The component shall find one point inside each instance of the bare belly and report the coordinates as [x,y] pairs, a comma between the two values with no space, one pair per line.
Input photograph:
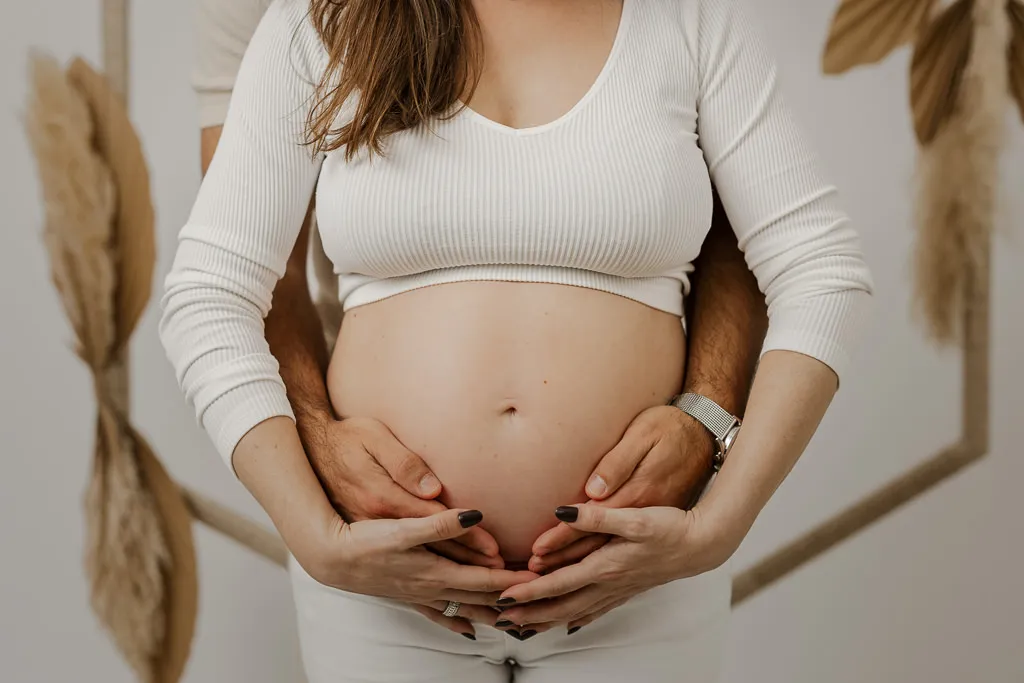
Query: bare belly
[511,392]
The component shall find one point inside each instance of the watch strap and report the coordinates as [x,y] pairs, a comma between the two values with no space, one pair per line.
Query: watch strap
[716,419]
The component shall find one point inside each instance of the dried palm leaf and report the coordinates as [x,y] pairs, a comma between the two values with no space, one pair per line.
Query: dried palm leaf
[936,73]
[958,176]
[133,235]
[866,31]
[1015,10]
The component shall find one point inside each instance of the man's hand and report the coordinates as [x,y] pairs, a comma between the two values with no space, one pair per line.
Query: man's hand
[369,474]
[726,325]
[663,459]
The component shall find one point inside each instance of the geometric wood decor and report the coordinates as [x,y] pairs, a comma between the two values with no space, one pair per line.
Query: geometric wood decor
[968,61]
[142,628]
[972,445]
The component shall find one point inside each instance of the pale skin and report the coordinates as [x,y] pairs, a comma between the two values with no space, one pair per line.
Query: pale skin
[359,509]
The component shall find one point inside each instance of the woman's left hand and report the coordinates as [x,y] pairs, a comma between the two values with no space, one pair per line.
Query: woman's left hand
[650,546]
[663,458]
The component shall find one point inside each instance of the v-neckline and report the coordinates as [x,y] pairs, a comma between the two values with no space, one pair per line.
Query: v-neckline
[625,18]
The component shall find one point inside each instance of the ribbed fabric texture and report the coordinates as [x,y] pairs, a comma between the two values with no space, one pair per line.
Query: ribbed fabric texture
[614,195]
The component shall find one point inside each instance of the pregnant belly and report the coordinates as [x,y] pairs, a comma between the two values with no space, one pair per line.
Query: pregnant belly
[511,392]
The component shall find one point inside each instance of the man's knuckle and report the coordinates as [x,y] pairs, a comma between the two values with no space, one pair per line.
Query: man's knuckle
[376,505]
[408,466]
[646,426]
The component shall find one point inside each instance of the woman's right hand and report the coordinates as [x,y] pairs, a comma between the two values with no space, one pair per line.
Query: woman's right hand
[387,558]
[381,557]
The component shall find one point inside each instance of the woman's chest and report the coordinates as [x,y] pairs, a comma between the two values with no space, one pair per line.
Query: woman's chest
[620,191]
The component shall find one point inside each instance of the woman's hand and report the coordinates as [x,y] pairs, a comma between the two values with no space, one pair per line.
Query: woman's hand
[650,546]
[387,558]
[369,474]
[381,557]
[663,458]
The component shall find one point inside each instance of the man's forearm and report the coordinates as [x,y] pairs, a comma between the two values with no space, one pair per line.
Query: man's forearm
[726,320]
[295,334]
[293,329]
[296,337]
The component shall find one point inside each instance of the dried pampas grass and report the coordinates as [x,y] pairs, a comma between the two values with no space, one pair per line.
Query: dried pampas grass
[99,235]
[958,170]
[134,222]
[126,553]
[79,205]
[968,60]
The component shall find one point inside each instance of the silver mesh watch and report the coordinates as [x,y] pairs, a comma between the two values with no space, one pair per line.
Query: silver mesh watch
[723,425]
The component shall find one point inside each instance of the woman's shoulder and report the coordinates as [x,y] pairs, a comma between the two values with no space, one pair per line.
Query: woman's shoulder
[705,25]
[687,18]
[702,14]
[697,9]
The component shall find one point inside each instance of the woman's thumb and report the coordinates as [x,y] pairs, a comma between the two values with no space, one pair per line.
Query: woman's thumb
[440,526]
[633,524]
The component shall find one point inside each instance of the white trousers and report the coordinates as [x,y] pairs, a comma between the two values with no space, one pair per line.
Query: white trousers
[674,633]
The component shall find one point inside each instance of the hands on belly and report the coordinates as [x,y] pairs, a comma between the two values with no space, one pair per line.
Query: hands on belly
[633,534]
[385,492]
[624,540]
[368,474]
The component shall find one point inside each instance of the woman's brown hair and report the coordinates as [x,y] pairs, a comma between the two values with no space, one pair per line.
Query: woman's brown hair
[405,61]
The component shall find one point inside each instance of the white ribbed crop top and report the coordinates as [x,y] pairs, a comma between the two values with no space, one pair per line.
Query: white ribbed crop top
[614,195]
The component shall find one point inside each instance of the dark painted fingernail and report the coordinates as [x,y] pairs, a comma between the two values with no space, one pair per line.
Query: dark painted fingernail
[470,636]
[514,634]
[574,629]
[503,623]
[528,634]
[567,513]
[506,601]
[470,518]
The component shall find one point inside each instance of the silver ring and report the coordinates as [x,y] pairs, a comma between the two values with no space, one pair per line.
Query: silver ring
[452,608]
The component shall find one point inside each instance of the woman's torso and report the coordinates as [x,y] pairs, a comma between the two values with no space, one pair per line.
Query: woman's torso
[513,389]
[608,189]
[511,392]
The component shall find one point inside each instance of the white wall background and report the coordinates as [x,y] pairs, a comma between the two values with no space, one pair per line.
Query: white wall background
[932,595]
